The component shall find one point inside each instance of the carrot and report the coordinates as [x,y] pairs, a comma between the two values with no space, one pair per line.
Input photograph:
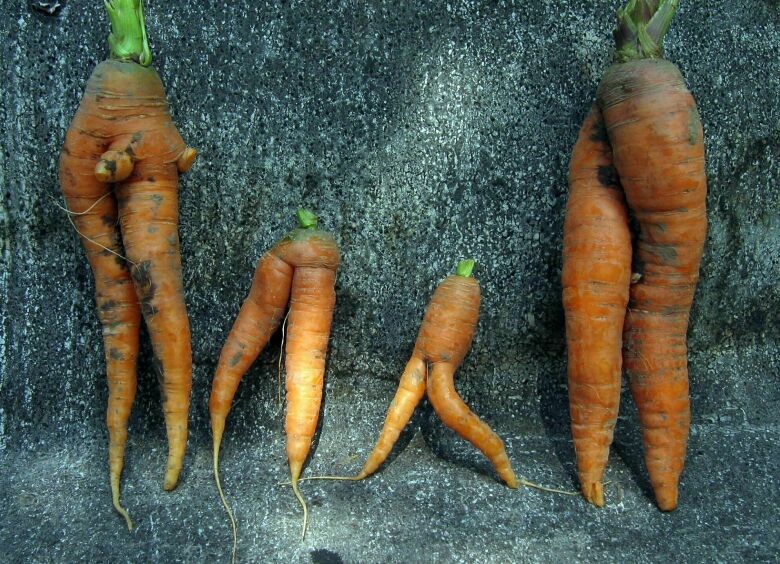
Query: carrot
[302,268]
[443,341]
[657,142]
[596,275]
[119,168]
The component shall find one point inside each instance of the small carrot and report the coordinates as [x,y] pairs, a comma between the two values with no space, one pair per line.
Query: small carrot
[302,268]
[119,169]
[443,341]
[596,275]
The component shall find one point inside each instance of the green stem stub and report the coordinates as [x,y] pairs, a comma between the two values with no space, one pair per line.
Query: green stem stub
[306,219]
[128,40]
[641,27]
[465,268]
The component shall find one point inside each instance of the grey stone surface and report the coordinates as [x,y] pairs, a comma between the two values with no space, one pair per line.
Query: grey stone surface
[423,132]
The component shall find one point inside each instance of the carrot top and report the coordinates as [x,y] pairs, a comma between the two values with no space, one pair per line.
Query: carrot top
[128,40]
[465,267]
[641,27]
[307,219]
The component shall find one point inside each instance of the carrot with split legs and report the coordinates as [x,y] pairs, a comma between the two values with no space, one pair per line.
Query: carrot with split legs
[119,169]
[657,144]
[300,268]
[443,341]
[595,278]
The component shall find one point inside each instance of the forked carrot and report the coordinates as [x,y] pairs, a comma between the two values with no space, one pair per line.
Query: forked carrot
[657,143]
[119,170]
[443,341]
[300,268]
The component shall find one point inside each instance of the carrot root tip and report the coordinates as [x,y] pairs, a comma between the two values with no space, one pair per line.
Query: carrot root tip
[171,480]
[666,498]
[593,492]
[298,495]
[233,526]
[118,506]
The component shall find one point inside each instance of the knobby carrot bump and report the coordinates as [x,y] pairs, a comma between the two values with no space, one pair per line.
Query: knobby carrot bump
[299,269]
[119,169]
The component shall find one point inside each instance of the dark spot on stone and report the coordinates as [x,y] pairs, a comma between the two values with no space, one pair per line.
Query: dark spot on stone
[151,229]
[608,176]
[157,199]
[151,179]
[137,136]
[111,166]
[65,150]
[325,556]
[46,7]
[144,287]
[108,220]
[116,354]
[109,305]
[173,240]
[236,358]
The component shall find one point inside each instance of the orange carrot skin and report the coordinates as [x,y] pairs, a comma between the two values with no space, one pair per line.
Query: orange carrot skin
[595,278]
[124,110]
[258,319]
[456,415]
[450,321]
[315,257]
[445,338]
[658,145]
[410,391]
[302,268]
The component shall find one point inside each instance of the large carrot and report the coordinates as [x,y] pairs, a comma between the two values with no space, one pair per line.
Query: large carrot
[119,169]
[301,267]
[595,278]
[658,149]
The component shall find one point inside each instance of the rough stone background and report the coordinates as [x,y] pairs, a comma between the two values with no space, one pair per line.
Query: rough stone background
[423,132]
